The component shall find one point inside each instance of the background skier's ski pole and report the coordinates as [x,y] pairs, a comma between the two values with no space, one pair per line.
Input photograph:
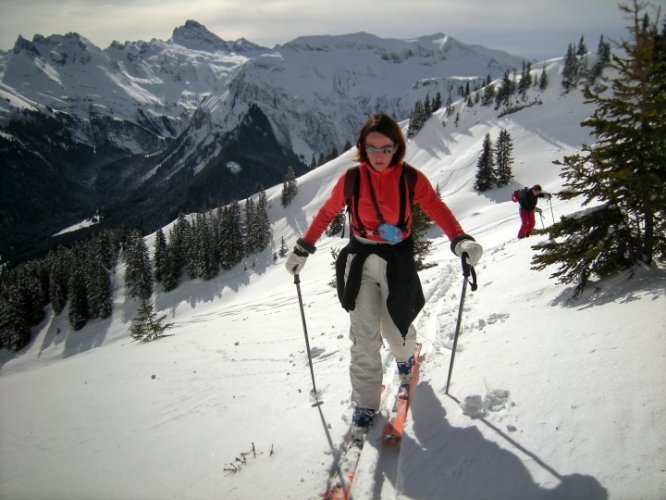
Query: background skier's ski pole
[551,210]
[297,282]
[467,271]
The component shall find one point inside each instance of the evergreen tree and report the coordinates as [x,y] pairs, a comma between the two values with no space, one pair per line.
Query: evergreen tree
[602,59]
[170,274]
[179,240]
[138,270]
[507,89]
[437,104]
[160,257]
[109,248]
[14,324]
[543,80]
[147,326]
[450,108]
[485,175]
[488,95]
[33,285]
[204,262]
[622,173]
[262,223]
[98,283]
[249,234]
[231,242]
[60,267]
[416,119]
[503,158]
[421,223]
[525,78]
[78,302]
[570,70]
[582,48]
[289,187]
[337,225]
[283,248]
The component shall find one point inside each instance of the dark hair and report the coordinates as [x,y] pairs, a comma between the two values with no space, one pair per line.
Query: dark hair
[537,187]
[386,125]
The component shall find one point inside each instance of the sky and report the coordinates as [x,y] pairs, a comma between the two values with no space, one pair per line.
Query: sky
[537,29]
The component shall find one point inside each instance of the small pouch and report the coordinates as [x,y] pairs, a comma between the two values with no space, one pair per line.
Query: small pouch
[390,234]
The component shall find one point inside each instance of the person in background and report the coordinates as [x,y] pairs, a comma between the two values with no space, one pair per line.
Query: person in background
[527,200]
[377,279]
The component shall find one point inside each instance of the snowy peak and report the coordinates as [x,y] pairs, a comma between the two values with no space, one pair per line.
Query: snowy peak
[59,49]
[337,80]
[196,36]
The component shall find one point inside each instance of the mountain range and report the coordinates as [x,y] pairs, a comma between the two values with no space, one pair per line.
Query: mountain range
[139,132]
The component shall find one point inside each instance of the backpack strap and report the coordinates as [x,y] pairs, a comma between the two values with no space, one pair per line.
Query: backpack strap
[352,190]
[410,173]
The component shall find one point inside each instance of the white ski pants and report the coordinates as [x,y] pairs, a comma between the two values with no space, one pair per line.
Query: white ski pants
[370,322]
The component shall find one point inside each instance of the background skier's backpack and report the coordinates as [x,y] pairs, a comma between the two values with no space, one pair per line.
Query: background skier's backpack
[516,195]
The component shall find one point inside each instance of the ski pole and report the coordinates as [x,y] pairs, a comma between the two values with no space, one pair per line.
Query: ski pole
[543,226]
[297,282]
[468,270]
[551,210]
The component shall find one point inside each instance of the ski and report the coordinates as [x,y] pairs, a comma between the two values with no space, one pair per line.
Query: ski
[395,422]
[340,489]
[344,470]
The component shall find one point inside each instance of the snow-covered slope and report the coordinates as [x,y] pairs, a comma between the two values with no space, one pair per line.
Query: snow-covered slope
[571,394]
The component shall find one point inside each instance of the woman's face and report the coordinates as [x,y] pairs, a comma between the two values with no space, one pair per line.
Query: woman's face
[380,150]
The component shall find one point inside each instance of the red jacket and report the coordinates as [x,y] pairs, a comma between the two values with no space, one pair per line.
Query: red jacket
[386,186]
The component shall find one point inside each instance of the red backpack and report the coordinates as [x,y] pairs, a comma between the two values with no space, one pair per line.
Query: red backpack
[515,196]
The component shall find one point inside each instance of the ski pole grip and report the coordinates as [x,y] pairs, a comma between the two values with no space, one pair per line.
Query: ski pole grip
[468,269]
[465,265]
[297,279]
